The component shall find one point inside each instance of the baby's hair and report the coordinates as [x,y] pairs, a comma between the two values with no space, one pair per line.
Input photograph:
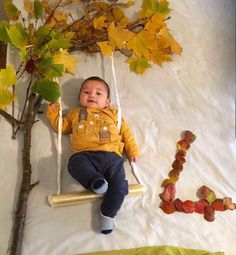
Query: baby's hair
[96,78]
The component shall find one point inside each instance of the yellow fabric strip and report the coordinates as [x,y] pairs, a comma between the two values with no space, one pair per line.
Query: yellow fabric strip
[156,250]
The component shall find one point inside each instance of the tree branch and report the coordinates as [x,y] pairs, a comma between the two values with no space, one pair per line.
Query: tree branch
[10,119]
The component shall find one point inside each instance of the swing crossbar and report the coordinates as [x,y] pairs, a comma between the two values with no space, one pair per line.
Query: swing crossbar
[75,197]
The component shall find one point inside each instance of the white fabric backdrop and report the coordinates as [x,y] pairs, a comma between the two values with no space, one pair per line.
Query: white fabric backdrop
[194,92]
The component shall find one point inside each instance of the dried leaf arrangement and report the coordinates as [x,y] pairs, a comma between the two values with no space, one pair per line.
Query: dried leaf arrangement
[207,204]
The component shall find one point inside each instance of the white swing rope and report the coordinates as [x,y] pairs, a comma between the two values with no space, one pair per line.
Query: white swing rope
[59,147]
[132,164]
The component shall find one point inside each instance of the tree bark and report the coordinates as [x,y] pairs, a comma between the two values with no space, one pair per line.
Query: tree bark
[26,186]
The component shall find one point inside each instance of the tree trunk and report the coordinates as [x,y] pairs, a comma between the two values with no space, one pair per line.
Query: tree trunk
[26,186]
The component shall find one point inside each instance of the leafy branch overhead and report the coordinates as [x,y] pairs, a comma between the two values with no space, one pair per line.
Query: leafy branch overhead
[47,32]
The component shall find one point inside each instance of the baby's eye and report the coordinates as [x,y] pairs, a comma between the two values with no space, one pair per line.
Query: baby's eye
[99,93]
[86,92]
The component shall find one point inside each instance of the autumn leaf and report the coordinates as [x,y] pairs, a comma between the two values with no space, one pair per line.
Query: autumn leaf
[188,206]
[105,48]
[142,43]
[150,7]
[118,36]
[17,35]
[28,6]
[58,20]
[126,5]
[158,57]
[7,77]
[155,24]
[169,193]
[168,207]
[99,23]
[118,14]
[67,60]
[6,97]
[38,9]
[11,10]
[166,40]
[3,31]
[138,65]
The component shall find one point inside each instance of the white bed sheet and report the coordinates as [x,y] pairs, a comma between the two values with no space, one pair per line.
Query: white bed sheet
[195,92]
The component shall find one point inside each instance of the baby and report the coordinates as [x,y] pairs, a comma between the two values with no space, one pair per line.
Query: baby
[97,145]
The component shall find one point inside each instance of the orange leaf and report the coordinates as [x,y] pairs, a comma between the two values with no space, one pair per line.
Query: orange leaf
[168,207]
[167,181]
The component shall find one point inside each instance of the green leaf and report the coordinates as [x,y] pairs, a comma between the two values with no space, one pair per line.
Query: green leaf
[60,43]
[49,90]
[3,31]
[138,65]
[43,34]
[150,7]
[11,10]
[44,64]
[38,9]
[17,35]
[211,197]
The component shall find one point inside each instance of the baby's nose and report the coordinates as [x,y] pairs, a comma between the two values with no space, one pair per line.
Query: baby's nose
[91,95]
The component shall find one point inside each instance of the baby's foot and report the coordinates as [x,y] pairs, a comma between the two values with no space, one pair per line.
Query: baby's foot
[106,224]
[100,186]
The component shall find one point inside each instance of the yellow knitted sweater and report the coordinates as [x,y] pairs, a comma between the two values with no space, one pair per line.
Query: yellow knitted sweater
[93,129]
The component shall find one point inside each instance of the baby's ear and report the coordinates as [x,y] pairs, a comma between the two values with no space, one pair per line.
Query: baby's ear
[108,102]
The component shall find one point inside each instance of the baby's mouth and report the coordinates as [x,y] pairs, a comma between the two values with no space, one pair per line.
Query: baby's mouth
[91,101]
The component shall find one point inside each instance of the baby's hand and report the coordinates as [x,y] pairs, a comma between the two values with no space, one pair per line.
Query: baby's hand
[134,159]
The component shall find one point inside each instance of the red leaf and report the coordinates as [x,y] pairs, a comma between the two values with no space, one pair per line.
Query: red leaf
[178,204]
[30,66]
[218,205]
[169,193]
[188,137]
[200,205]
[204,191]
[182,145]
[177,165]
[209,213]
[188,206]
[168,207]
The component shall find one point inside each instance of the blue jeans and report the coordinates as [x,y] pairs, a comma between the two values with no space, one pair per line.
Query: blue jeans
[88,166]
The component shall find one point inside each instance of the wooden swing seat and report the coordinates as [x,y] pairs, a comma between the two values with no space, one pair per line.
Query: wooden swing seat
[75,197]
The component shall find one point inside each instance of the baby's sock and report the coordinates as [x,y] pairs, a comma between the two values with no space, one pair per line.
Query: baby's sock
[100,186]
[106,224]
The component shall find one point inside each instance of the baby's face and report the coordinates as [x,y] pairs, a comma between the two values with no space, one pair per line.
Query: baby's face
[94,94]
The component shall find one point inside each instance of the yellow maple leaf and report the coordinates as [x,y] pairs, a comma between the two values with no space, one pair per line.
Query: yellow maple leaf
[142,43]
[99,23]
[158,57]
[166,40]
[118,36]
[156,23]
[58,20]
[28,6]
[118,14]
[67,60]
[6,97]
[138,65]
[7,77]
[105,48]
